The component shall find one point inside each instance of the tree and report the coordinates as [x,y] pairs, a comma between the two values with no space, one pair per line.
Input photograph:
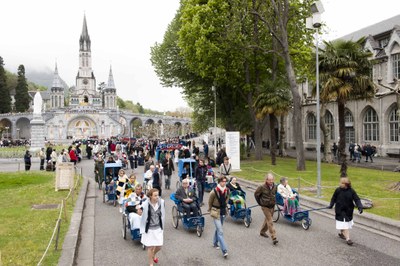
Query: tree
[121,103]
[22,98]
[275,101]
[345,75]
[284,19]
[140,108]
[5,99]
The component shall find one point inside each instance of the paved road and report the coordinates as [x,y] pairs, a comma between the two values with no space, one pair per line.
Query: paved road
[317,246]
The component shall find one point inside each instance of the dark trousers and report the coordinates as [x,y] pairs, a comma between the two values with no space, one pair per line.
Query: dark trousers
[200,189]
[27,166]
[190,207]
[41,164]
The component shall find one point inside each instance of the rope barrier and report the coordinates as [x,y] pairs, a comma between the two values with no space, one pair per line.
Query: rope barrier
[314,185]
[63,201]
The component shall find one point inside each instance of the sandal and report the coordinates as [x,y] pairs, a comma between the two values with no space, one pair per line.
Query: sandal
[155,260]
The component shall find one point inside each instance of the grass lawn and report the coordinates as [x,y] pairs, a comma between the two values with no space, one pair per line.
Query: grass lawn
[25,232]
[368,183]
[19,151]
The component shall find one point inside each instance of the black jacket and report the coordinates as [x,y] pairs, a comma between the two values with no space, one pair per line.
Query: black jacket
[344,199]
[200,174]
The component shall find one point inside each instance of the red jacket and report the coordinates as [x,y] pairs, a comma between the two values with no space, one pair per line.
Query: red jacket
[72,155]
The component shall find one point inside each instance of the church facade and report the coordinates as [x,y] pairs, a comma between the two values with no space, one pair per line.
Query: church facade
[90,111]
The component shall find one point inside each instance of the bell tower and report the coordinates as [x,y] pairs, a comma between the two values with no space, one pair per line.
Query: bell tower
[85,93]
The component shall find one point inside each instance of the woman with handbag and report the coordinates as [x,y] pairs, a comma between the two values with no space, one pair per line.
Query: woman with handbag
[217,207]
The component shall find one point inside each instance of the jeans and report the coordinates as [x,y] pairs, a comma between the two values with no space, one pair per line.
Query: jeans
[167,182]
[219,234]
[200,189]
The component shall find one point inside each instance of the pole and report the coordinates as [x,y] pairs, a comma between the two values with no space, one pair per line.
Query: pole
[318,122]
[215,122]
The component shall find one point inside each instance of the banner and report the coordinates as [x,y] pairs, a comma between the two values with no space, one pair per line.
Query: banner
[232,144]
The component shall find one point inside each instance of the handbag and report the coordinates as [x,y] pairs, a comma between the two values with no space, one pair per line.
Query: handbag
[214,213]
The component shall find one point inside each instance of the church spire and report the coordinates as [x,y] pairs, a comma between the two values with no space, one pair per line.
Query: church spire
[110,84]
[56,79]
[84,40]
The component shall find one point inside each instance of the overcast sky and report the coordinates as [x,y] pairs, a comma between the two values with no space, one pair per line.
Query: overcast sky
[37,33]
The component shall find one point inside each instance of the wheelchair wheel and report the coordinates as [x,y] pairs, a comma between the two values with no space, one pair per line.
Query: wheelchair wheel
[247,221]
[124,226]
[277,211]
[199,230]
[306,223]
[175,217]
[178,184]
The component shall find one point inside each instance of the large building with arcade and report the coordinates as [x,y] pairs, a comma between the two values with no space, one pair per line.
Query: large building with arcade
[88,111]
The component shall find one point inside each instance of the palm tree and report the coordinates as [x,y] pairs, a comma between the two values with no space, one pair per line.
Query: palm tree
[345,75]
[274,101]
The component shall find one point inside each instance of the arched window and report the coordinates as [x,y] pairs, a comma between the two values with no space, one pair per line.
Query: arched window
[330,124]
[394,125]
[371,126]
[348,120]
[312,126]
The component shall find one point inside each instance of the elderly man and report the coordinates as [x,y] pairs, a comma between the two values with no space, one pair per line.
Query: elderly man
[188,198]
[265,197]
[134,206]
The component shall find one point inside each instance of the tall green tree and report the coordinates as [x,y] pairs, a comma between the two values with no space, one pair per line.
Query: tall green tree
[345,75]
[285,20]
[5,99]
[22,98]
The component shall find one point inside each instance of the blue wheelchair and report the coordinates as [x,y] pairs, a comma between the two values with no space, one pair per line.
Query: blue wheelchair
[301,215]
[240,214]
[110,182]
[188,223]
[126,224]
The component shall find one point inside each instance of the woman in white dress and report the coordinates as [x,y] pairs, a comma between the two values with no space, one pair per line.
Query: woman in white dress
[344,198]
[152,225]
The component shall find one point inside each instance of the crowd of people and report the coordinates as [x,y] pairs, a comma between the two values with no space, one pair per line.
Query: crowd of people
[147,211]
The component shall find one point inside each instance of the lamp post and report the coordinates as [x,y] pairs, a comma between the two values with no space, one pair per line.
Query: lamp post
[314,22]
[215,121]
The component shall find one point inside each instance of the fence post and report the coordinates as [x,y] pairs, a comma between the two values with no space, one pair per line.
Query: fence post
[64,203]
[58,233]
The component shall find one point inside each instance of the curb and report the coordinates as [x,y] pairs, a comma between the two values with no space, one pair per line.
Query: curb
[372,222]
[71,238]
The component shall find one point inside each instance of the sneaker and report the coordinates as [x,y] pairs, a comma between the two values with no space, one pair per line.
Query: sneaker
[341,236]
[349,242]
[275,241]
[216,246]
[225,254]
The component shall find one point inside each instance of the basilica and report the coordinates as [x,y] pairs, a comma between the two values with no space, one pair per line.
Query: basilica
[85,110]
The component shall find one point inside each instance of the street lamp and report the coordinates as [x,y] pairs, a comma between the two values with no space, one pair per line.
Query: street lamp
[314,22]
[215,121]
